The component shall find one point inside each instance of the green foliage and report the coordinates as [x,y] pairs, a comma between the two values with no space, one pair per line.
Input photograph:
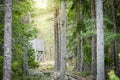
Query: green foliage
[1,28]
[22,33]
[112,76]
[1,67]
[16,67]
[88,27]
[82,73]
[108,61]
[1,38]
[33,64]
[110,37]
[87,54]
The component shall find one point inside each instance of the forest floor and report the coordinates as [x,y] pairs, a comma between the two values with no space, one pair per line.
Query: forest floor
[46,72]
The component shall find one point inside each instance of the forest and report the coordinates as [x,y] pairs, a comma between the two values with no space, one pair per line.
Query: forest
[59,39]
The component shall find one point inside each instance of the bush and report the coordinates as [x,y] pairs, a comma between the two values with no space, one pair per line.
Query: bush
[112,76]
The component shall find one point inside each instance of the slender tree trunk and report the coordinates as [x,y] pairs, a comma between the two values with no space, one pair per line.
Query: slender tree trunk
[81,39]
[7,40]
[115,48]
[25,20]
[79,48]
[57,51]
[100,40]
[63,41]
[82,55]
[78,57]
[78,45]
[25,63]
[25,58]
[93,42]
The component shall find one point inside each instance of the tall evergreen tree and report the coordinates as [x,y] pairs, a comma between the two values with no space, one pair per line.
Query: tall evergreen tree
[100,40]
[8,40]
[115,46]
[93,41]
[63,40]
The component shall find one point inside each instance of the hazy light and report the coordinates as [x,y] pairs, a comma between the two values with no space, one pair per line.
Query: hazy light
[41,3]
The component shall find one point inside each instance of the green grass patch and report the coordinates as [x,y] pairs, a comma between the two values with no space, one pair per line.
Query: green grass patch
[84,74]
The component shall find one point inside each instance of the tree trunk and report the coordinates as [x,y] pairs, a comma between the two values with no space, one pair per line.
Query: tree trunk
[63,41]
[82,55]
[79,18]
[100,40]
[57,51]
[25,63]
[115,48]
[25,58]
[25,20]
[78,57]
[93,42]
[7,40]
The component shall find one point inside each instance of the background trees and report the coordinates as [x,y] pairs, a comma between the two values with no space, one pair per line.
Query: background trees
[88,26]
[17,43]
[93,41]
[74,25]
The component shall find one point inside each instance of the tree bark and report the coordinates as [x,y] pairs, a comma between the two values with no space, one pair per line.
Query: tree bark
[57,48]
[100,40]
[78,57]
[25,58]
[93,42]
[115,48]
[7,74]
[82,55]
[79,46]
[78,42]
[25,20]
[63,41]
[25,63]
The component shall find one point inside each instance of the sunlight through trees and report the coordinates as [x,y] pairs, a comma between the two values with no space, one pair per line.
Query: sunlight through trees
[59,39]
